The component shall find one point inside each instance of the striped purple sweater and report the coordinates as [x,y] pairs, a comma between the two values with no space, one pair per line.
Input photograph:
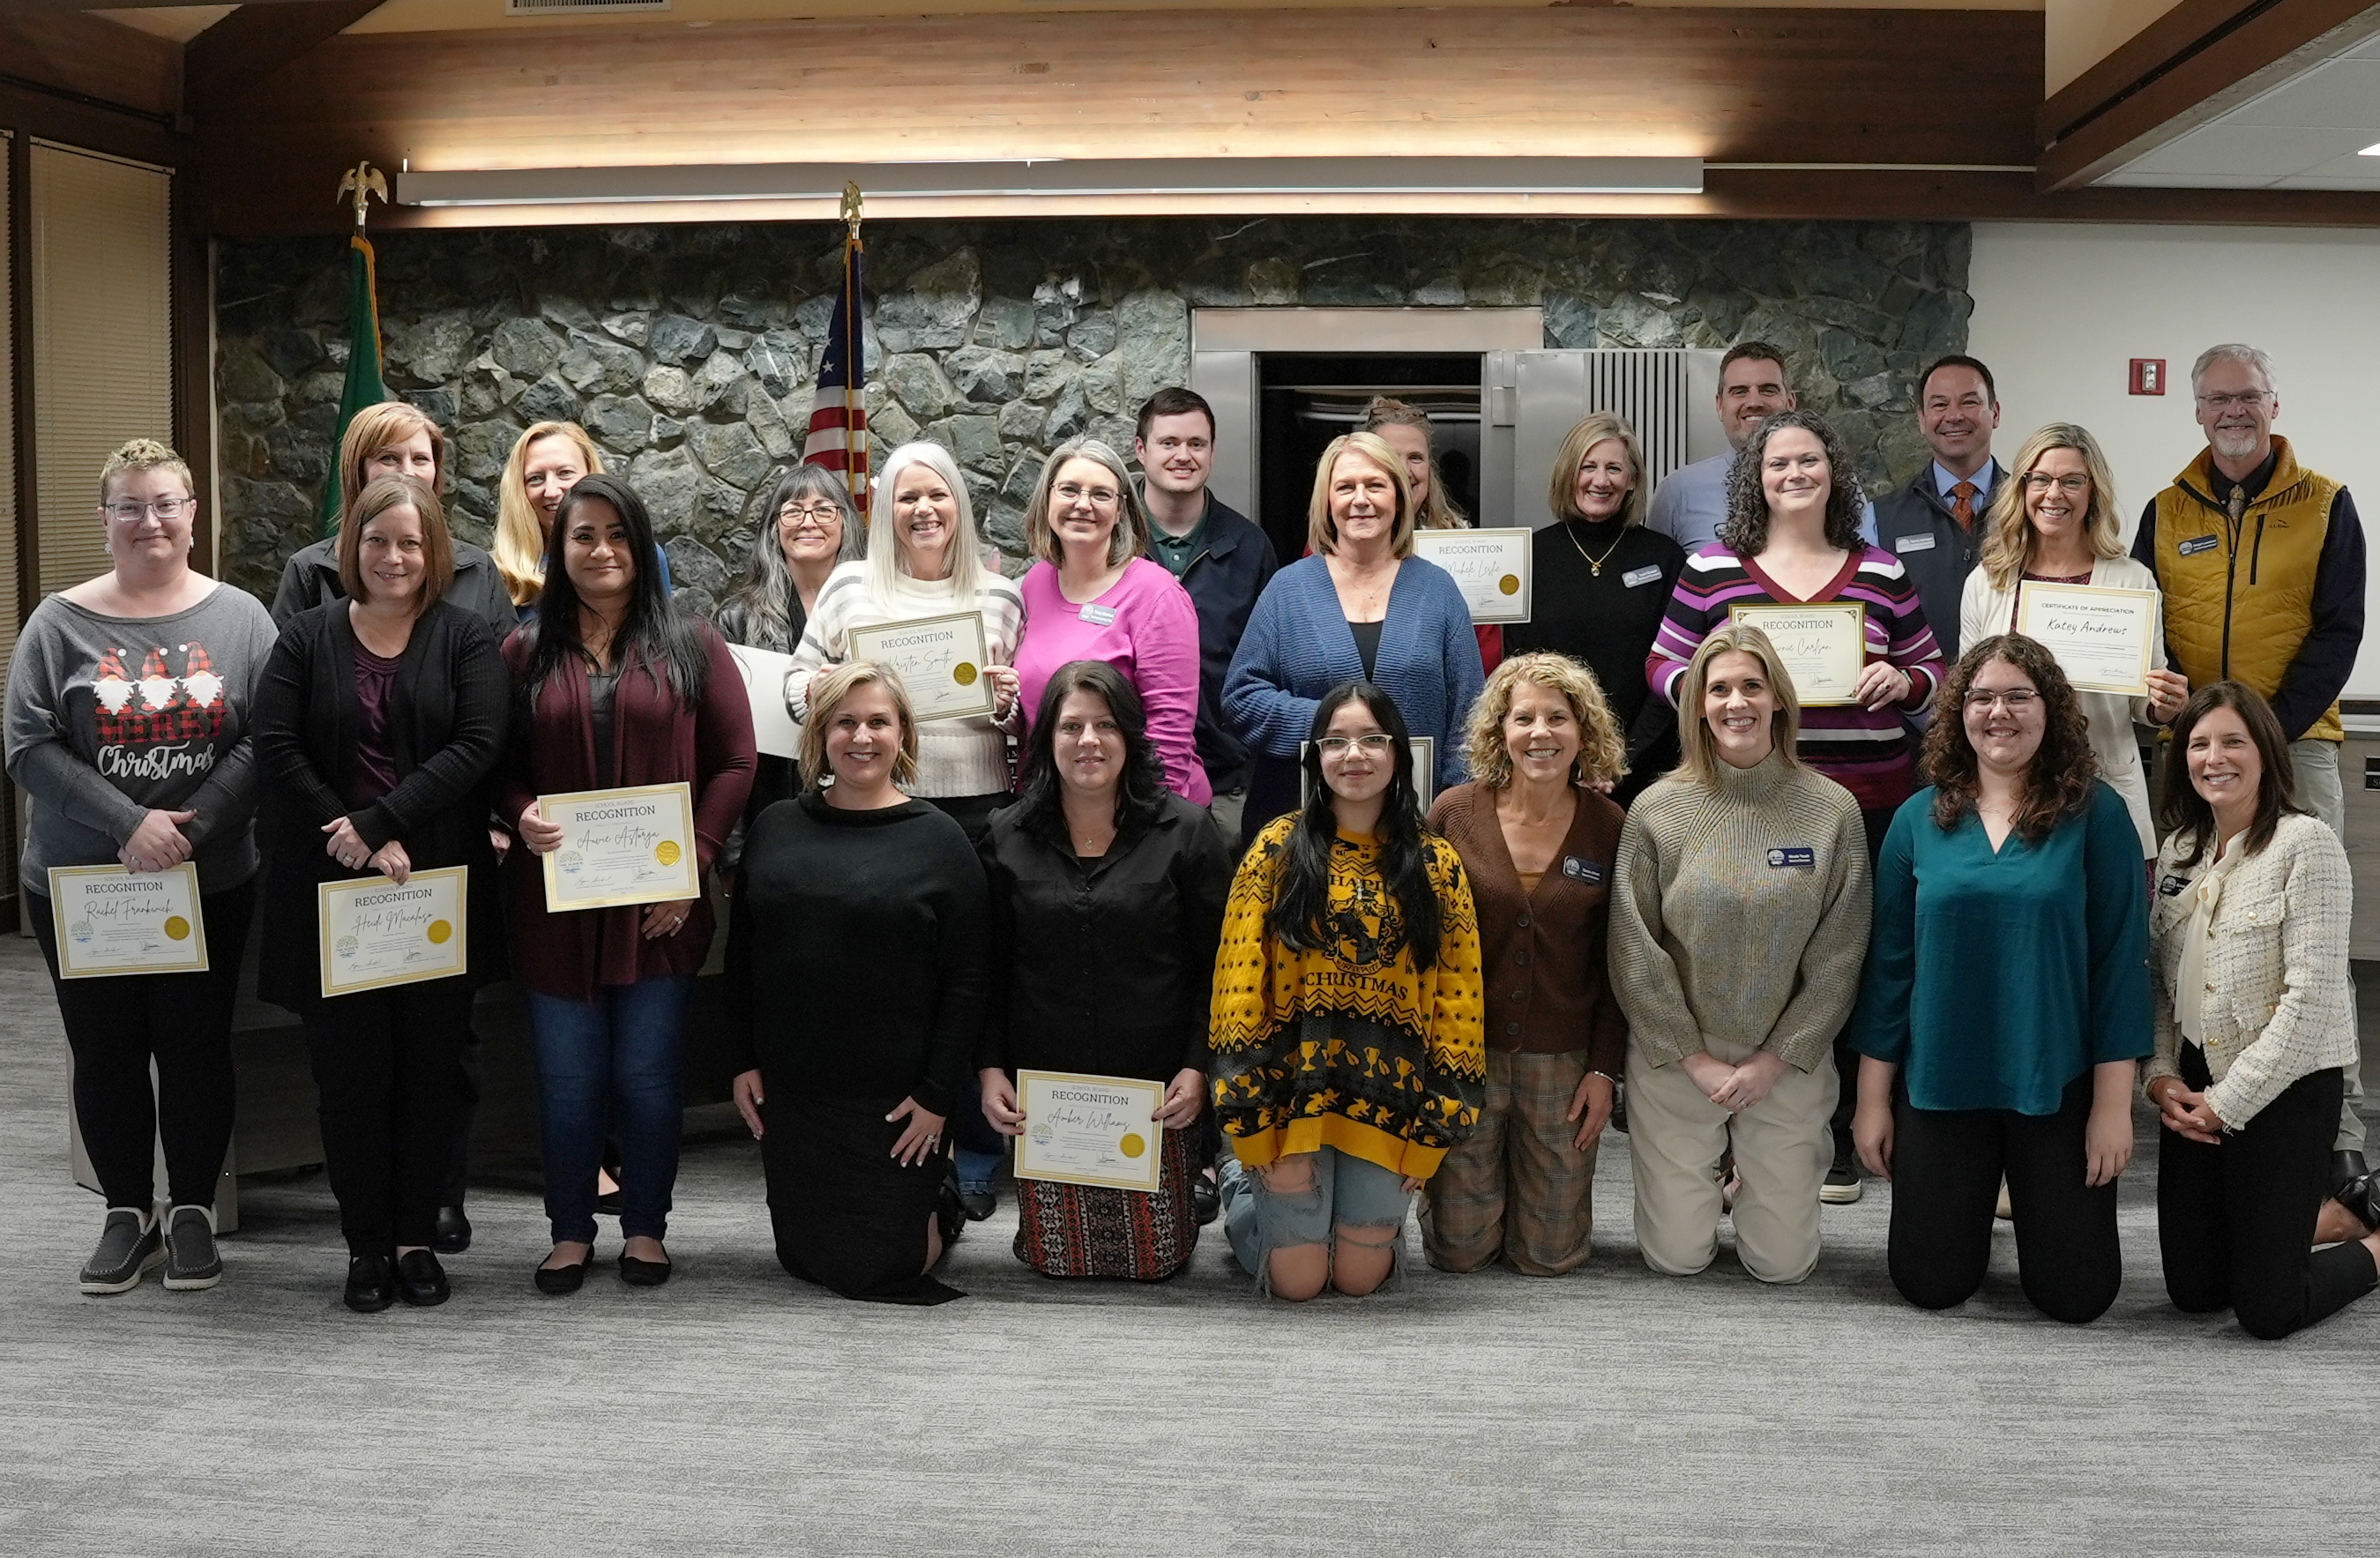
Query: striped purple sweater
[1869,753]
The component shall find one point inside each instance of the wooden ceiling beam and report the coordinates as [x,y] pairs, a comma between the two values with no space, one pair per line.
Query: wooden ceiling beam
[256,41]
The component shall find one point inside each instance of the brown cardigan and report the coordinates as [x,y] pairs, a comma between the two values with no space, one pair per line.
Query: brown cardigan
[1541,955]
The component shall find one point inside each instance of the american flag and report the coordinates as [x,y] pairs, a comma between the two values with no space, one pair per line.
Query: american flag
[838,437]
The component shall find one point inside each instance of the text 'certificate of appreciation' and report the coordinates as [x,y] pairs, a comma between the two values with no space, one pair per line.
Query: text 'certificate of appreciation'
[1089,1130]
[1491,568]
[774,730]
[941,660]
[1824,646]
[621,846]
[376,933]
[2104,639]
[110,921]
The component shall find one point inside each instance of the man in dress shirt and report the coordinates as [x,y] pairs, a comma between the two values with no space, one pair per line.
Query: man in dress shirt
[1692,500]
[1937,523]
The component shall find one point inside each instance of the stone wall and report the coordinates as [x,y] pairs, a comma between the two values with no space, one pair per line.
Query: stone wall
[690,352]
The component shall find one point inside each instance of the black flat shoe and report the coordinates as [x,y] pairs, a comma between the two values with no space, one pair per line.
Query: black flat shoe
[371,1283]
[2361,1197]
[643,1273]
[2346,1168]
[950,1216]
[1205,1199]
[420,1280]
[454,1232]
[556,1281]
[974,1205]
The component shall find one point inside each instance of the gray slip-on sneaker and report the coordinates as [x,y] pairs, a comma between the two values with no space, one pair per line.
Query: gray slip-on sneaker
[190,1259]
[130,1245]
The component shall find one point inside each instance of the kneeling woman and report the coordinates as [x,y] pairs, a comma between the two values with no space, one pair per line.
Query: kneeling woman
[1738,923]
[870,905]
[1345,1023]
[1107,905]
[2255,1015]
[2008,988]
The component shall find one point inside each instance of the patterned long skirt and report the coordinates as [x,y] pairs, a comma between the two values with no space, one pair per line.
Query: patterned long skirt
[1092,1231]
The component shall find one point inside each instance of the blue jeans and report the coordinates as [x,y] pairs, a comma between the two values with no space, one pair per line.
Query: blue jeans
[613,1060]
[1348,1193]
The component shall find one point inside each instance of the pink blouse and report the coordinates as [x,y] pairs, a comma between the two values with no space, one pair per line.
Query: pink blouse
[1145,627]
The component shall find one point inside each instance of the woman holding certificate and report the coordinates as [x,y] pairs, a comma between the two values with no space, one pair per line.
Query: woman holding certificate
[379,724]
[855,887]
[128,730]
[2015,877]
[1093,595]
[1739,917]
[1107,907]
[615,690]
[2055,523]
[1346,1019]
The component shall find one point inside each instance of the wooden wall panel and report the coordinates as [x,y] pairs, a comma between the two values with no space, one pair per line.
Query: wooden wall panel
[93,56]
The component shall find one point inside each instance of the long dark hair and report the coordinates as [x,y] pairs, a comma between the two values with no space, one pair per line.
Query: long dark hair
[2057,783]
[1140,794]
[653,633]
[2182,808]
[1301,908]
[1746,529]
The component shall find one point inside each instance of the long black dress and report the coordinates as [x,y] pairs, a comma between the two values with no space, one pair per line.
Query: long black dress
[857,977]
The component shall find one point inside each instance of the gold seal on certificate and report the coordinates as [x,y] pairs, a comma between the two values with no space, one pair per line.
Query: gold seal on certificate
[1491,568]
[764,672]
[375,932]
[621,846]
[1089,1130]
[110,921]
[941,660]
[1824,646]
[2104,639]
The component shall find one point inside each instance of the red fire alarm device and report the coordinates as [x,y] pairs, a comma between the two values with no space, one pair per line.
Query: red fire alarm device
[2148,375]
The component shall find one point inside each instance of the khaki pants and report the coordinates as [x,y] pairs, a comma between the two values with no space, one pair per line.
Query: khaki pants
[1515,1187]
[1783,1146]
[2315,765]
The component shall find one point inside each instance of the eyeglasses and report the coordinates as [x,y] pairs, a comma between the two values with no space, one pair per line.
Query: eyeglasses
[817,517]
[1075,491]
[2041,481]
[1340,746]
[2247,400]
[2016,701]
[127,512]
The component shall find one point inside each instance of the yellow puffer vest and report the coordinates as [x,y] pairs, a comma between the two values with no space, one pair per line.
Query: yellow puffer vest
[2239,601]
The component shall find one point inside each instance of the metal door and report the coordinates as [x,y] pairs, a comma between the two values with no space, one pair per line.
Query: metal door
[1530,400]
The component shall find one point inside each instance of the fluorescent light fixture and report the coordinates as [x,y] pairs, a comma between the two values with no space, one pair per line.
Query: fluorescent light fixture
[1026,178]
[2371,151]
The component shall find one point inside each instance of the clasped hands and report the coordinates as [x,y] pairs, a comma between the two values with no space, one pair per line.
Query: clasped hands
[1734,1087]
[2185,1112]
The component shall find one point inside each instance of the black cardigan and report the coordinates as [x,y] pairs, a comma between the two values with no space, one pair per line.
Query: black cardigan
[447,730]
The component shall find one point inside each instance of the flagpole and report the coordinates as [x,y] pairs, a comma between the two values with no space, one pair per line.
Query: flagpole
[364,385]
[855,400]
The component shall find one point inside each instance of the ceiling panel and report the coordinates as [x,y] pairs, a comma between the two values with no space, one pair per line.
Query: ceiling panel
[2344,92]
[2305,133]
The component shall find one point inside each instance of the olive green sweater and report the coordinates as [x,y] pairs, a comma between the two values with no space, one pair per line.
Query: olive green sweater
[1741,912]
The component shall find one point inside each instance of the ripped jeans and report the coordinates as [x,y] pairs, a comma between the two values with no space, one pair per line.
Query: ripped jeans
[1360,1201]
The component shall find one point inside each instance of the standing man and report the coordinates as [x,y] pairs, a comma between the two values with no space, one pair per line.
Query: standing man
[2262,565]
[1222,559]
[1936,524]
[1692,500]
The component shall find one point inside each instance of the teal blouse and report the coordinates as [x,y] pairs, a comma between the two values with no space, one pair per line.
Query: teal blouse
[1994,979]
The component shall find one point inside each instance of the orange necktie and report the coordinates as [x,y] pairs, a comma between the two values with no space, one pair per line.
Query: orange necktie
[1962,504]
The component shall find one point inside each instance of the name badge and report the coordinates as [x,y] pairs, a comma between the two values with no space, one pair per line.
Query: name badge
[1923,541]
[2195,545]
[1795,854]
[1099,616]
[1578,870]
[1644,575]
[2171,886]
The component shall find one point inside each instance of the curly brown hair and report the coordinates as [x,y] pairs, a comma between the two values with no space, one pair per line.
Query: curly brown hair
[2058,784]
[1745,531]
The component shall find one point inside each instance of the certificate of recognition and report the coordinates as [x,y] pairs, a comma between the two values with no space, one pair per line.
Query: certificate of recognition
[774,730]
[110,921]
[375,932]
[1088,1131]
[2104,639]
[1824,646]
[621,846]
[941,660]
[1491,568]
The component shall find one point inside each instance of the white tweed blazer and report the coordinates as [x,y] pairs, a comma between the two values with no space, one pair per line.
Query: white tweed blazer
[2279,1002]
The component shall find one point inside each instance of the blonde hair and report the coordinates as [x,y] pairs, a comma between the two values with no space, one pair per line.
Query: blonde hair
[1602,750]
[1438,512]
[1321,531]
[1701,759]
[1562,489]
[382,494]
[2008,538]
[1130,538]
[144,453]
[376,428]
[519,548]
[838,683]
[883,563]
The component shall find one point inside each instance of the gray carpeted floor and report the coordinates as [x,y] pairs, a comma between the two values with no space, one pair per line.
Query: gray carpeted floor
[736,1412]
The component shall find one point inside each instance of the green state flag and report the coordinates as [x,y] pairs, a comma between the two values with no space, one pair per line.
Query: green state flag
[364,386]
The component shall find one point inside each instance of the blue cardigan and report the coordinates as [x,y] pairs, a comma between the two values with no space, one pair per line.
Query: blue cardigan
[1297,648]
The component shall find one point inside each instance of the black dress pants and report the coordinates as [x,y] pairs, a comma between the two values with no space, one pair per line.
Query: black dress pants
[388,1070]
[1947,1166]
[2235,1221]
[1875,822]
[117,1025]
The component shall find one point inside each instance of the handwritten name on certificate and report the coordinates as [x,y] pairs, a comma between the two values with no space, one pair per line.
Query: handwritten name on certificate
[1089,1130]
[376,933]
[110,921]
[621,846]
[2104,639]
[774,730]
[1491,568]
[941,660]
[1824,646]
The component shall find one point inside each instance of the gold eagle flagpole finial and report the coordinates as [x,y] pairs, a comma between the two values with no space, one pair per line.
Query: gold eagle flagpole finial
[360,183]
[851,208]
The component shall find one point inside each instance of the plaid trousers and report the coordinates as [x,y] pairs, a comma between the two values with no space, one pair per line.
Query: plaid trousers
[1515,1187]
